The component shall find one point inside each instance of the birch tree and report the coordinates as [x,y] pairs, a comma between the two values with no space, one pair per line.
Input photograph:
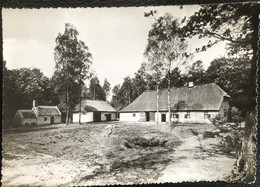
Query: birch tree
[165,50]
[73,61]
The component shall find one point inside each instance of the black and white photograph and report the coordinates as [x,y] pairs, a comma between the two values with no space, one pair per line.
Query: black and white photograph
[129,95]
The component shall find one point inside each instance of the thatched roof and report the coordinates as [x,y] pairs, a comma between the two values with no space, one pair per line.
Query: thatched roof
[47,110]
[92,106]
[201,97]
[26,114]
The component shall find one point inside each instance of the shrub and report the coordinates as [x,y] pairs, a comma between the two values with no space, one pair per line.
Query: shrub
[217,121]
[143,142]
[232,143]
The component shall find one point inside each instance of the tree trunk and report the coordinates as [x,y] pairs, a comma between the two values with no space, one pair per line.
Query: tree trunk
[246,163]
[80,105]
[67,106]
[169,99]
[94,91]
[157,103]
[247,159]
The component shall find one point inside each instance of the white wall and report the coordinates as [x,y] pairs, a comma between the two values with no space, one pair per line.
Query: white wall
[41,121]
[87,117]
[160,116]
[57,119]
[195,117]
[29,121]
[129,116]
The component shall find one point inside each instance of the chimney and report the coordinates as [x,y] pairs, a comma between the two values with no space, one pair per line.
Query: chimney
[34,103]
[190,84]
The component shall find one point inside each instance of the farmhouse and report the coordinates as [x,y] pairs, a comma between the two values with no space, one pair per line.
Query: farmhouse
[192,104]
[38,115]
[93,111]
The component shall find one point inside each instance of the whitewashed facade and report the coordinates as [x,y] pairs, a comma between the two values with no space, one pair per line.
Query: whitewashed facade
[198,104]
[93,111]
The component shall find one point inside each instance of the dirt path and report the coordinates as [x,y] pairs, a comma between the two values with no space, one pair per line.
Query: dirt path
[96,154]
[193,164]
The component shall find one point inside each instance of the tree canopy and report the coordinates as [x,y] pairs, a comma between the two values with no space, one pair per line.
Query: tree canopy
[73,61]
[237,24]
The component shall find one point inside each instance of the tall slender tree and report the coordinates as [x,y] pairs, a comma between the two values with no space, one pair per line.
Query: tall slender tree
[73,61]
[165,49]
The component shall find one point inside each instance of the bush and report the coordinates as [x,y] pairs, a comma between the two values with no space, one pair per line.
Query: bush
[232,143]
[217,121]
[144,143]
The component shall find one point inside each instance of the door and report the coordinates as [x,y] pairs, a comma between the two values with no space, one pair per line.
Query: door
[52,119]
[147,116]
[163,117]
[97,116]
[108,117]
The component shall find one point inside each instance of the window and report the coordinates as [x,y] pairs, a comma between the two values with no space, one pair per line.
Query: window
[187,115]
[175,115]
[45,118]
[207,115]
[133,114]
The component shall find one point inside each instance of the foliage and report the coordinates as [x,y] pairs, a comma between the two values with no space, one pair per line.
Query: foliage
[21,87]
[196,133]
[232,143]
[217,120]
[164,51]
[175,78]
[115,97]
[96,92]
[233,76]
[65,89]
[236,115]
[196,73]
[106,87]
[141,142]
[237,24]
[73,61]
[140,81]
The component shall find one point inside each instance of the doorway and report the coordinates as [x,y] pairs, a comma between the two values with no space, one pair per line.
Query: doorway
[52,119]
[147,116]
[97,117]
[163,117]
[108,117]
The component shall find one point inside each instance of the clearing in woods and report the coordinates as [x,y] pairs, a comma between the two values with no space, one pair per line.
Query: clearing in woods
[111,153]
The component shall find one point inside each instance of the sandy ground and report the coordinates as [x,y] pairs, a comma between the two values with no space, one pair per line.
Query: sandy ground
[96,154]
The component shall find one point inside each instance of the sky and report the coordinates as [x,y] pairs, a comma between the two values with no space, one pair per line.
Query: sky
[116,37]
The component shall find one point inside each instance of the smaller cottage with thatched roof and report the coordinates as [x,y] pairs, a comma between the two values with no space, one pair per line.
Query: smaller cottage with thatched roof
[38,115]
[93,111]
[191,104]
[25,118]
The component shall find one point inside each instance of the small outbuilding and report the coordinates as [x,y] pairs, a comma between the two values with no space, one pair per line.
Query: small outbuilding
[38,115]
[93,111]
[191,104]
[25,118]
[47,114]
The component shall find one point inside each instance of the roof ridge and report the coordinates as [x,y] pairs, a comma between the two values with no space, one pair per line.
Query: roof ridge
[175,87]
[45,106]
